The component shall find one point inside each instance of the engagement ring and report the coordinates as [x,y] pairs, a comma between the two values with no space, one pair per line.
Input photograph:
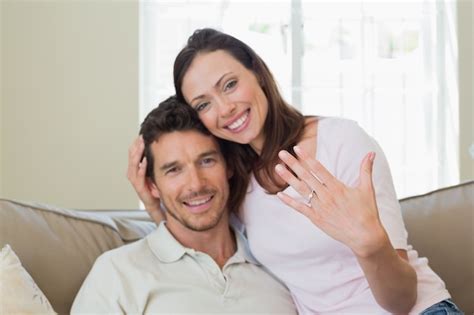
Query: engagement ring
[310,196]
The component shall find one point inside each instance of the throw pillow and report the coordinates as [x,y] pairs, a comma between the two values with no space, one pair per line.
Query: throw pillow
[19,294]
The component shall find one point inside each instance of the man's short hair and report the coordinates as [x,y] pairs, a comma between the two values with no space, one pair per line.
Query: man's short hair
[170,115]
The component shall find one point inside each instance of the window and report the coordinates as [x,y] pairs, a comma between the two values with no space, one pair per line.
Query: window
[391,66]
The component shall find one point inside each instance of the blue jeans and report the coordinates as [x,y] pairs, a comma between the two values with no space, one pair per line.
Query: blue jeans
[446,307]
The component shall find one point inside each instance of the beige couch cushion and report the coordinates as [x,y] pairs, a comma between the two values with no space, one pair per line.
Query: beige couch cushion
[440,227]
[19,293]
[58,246]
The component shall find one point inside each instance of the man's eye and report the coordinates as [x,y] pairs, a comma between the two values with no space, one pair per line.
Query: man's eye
[172,170]
[201,106]
[230,85]
[208,161]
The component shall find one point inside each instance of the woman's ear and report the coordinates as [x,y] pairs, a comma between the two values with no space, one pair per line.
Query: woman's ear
[153,188]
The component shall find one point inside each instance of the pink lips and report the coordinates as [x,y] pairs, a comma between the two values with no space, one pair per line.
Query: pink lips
[199,207]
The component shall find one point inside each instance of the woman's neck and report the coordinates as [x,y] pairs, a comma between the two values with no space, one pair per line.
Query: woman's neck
[257,144]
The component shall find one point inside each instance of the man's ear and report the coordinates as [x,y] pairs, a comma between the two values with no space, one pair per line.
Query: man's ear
[152,187]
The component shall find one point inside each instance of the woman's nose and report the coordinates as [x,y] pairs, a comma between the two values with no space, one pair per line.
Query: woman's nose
[226,107]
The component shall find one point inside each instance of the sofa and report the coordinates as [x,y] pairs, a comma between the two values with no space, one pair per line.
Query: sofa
[57,247]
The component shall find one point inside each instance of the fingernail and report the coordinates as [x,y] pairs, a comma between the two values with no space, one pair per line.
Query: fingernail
[372,156]
[297,149]
[282,154]
[279,168]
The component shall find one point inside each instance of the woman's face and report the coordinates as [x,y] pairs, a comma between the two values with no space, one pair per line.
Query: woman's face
[227,97]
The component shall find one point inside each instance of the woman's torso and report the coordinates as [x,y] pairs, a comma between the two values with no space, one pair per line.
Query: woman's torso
[322,274]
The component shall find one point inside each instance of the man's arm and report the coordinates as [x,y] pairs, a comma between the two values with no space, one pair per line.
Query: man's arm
[100,291]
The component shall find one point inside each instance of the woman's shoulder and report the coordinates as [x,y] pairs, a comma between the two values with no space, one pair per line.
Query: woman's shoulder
[342,145]
[336,124]
[337,130]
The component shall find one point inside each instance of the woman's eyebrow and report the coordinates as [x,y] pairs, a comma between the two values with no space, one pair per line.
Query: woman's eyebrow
[215,86]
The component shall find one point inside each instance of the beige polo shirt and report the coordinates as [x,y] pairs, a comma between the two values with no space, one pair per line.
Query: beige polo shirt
[159,275]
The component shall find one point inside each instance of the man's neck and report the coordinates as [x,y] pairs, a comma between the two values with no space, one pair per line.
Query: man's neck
[218,242]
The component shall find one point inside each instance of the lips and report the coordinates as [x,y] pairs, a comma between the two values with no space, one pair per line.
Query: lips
[198,205]
[239,123]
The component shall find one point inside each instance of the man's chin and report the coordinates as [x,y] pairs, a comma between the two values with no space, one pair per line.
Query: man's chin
[201,226]
[199,223]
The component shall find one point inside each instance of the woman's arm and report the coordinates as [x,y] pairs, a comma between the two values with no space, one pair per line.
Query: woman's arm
[136,174]
[350,215]
[391,278]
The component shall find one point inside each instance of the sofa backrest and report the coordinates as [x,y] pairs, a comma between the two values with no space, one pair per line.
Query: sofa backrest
[58,246]
[440,227]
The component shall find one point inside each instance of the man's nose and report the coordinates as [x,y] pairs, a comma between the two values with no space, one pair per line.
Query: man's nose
[196,180]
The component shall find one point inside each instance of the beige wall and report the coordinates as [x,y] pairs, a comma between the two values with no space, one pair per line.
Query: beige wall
[2,132]
[466,87]
[69,88]
[70,93]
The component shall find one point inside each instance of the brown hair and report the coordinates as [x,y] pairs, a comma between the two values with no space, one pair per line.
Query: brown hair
[284,125]
[172,115]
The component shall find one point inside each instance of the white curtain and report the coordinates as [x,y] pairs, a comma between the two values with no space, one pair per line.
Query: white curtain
[391,66]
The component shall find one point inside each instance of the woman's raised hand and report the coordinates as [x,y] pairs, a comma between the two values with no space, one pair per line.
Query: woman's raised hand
[136,175]
[347,214]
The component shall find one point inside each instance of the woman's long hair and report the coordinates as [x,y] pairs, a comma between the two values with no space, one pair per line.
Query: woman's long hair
[284,125]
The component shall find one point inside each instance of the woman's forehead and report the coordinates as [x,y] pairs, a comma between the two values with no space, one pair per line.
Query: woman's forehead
[207,69]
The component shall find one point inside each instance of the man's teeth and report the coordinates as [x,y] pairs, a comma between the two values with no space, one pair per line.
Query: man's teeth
[199,202]
[236,124]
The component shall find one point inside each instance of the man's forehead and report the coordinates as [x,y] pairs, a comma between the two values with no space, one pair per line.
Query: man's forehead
[189,142]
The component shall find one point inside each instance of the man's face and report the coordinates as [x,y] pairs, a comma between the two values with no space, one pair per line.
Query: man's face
[191,179]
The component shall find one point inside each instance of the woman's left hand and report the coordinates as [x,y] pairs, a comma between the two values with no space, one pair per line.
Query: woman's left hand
[347,214]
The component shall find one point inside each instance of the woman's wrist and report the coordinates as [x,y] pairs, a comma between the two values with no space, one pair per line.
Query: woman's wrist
[375,242]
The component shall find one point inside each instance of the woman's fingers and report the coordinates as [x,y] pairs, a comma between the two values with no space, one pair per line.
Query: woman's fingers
[299,206]
[302,188]
[365,175]
[135,153]
[324,176]
[305,175]
[136,172]
[141,174]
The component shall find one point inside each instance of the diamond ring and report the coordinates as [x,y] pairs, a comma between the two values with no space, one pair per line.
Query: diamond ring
[310,196]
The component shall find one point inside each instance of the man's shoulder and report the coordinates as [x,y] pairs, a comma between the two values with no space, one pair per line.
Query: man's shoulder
[126,253]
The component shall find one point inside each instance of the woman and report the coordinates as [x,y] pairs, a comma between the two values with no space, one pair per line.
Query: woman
[344,250]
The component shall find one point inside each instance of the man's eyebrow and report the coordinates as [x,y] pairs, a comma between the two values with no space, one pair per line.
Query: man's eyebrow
[171,164]
[208,153]
[215,85]
[168,165]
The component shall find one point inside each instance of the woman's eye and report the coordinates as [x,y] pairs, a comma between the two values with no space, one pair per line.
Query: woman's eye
[230,85]
[201,106]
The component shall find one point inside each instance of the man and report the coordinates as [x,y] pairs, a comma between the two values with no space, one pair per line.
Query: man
[194,262]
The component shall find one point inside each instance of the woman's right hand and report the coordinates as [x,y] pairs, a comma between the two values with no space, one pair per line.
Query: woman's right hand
[136,174]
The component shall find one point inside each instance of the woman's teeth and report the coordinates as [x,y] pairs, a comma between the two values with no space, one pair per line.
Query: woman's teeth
[239,122]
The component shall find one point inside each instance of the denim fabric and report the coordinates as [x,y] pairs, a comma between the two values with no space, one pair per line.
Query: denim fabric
[446,307]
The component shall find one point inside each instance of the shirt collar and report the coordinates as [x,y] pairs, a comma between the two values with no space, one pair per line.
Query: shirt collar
[167,249]
[243,250]
[163,244]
